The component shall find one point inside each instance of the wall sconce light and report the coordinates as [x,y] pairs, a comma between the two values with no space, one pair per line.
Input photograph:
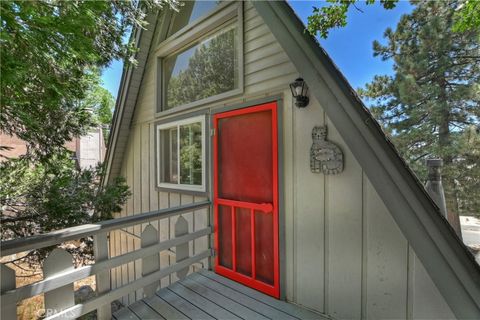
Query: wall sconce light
[299,92]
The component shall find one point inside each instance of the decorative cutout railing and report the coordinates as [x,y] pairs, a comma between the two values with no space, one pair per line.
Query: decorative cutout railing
[59,273]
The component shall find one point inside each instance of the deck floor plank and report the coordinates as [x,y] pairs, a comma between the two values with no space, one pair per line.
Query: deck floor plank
[179,303]
[143,311]
[234,307]
[289,308]
[205,295]
[164,309]
[243,299]
[125,314]
[206,305]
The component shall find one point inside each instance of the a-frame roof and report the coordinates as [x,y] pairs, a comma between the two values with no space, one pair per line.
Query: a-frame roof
[448,262]
[127,98]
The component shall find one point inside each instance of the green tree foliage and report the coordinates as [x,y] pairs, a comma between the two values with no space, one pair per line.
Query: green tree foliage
[44,197]
[49,53]
[467,16]
[431,106]
[41,197]
[191,154]
[325,18]
[101,104]
[334,15]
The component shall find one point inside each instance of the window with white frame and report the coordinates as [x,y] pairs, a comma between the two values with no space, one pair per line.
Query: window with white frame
[202,62]
[181,154]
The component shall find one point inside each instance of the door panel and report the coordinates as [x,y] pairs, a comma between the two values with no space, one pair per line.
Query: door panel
[245,157]
[243,243]
[246,196]
[224,222]
[264,254]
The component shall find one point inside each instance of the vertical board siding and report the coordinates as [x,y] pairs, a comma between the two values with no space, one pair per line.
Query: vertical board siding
[200,221]
[289,199]
[189,217]
[309,238]
[153,194]
[164,202]
[428,303]
[132,182]
[387,261]
[175,200]
[351,260]
[345,255]
[144,168]
[343,209]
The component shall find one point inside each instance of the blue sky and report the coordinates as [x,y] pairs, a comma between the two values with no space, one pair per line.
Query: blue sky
[349,47]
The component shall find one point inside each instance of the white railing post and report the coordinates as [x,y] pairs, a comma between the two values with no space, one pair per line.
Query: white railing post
[151,263]
[7,281]
[102,278]
[182,250]
[58,261]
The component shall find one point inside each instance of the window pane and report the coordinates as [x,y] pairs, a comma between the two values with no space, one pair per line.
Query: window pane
[204,70]
[191,154]
[189,12]
[169,155]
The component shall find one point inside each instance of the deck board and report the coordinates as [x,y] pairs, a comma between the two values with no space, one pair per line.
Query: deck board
[125,314]
[233,306]
[200,302]
[143,311]
[289,308]
[164,309]
[184,305]
[206,295]
[243,299]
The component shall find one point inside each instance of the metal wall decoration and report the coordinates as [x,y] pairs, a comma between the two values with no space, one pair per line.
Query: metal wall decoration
[325,156]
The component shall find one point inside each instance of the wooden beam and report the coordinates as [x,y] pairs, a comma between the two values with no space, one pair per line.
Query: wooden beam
[7,282]
[102,278]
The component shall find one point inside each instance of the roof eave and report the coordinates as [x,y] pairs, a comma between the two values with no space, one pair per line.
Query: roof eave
[126,99]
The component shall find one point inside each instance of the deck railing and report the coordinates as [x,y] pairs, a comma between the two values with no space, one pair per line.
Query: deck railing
[59,273]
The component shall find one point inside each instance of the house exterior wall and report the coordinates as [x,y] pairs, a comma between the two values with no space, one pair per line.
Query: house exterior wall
[91,148]
[344,254]
[17,147]
[347,257]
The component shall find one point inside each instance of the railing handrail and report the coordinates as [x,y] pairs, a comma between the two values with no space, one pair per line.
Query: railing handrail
[55,237]
[80,309]
[67,277]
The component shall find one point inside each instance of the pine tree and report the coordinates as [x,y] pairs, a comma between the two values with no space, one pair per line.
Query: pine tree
[431,105]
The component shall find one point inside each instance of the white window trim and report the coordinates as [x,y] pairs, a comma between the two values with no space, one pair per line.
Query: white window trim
[179,186]
[201,28]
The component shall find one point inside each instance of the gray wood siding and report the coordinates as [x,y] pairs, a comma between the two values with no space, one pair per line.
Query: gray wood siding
[348,258]
[345,256]
[139,170]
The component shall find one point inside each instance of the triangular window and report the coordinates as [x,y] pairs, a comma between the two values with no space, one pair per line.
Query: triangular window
[189,12]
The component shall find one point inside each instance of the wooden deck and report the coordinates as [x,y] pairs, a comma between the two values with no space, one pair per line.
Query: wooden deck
[206,295]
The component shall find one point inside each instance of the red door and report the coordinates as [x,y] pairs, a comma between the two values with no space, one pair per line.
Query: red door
[246,197]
